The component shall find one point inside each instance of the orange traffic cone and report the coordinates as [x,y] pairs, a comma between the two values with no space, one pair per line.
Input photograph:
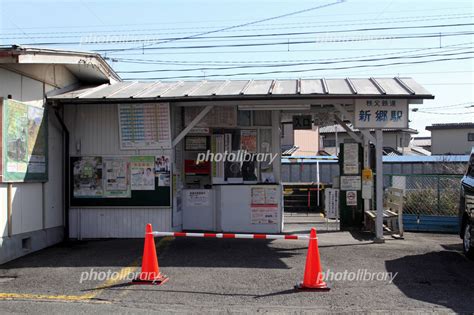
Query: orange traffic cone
[150,273]
[313,273]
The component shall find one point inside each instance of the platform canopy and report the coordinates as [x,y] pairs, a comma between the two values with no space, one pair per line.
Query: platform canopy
[182,91]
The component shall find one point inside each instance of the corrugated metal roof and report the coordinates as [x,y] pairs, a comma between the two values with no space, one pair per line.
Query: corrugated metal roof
[340,129]
[363,88]
[462,125]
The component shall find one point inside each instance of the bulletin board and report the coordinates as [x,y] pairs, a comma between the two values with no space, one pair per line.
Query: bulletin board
[87,189]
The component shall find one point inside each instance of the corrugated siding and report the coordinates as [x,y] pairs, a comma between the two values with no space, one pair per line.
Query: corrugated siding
[117,223]
[95,130]
[53,188]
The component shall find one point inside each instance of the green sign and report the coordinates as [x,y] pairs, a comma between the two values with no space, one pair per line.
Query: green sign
[24,142]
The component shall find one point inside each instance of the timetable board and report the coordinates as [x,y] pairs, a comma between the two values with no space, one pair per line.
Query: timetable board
[144,126]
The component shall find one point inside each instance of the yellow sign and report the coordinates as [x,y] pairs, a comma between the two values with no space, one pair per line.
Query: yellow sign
[367,174]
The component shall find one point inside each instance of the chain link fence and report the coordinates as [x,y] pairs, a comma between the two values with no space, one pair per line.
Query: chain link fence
[436,195]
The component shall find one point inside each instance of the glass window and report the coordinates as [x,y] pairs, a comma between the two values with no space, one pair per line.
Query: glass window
[329,143]
[262,118]
[470,136]
[243,118]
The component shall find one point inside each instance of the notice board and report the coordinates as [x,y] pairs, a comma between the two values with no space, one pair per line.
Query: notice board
[88,187]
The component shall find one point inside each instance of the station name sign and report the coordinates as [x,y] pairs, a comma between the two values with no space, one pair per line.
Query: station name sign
[381,113]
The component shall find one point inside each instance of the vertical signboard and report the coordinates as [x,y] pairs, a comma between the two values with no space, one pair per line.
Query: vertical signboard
[24,142]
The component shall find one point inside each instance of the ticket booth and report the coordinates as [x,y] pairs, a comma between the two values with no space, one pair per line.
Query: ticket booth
[229,169]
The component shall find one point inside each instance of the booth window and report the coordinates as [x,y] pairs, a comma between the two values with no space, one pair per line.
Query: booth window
[262,118]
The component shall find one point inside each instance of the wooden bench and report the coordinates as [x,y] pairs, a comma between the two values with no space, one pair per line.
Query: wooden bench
[392,213]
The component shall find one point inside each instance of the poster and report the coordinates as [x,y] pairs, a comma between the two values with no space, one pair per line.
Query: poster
[162,163]
[248,140]
[87,177]
[142,172]
[163,170]
[144,126]
[25,144]
[351,158]
[164,179]
[116,177]
[264,214]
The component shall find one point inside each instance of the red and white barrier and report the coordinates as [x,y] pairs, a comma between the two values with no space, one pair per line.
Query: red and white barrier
[233,235]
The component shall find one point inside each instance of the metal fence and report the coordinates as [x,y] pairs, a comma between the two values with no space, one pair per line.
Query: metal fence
[436,195]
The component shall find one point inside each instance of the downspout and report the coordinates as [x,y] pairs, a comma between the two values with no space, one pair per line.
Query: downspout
[66,173]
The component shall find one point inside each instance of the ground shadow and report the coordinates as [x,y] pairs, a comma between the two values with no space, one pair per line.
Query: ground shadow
[444,278]
[94,253]
[181,252]
[225,253]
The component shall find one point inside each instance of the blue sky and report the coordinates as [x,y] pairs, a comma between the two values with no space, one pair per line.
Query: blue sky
[330,37]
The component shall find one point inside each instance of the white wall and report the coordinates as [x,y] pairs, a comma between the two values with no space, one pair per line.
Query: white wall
[28,199]
[451,141]
[3,211]
[94,131]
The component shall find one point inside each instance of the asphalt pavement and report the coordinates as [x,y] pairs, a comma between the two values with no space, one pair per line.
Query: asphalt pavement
[244,276]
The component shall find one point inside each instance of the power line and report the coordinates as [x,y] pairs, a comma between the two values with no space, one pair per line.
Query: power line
[94,40]
[217,62]
[230,20]
[280,26]
[304,70]
[240,25]
[297,64]
[301,42]
[449,106]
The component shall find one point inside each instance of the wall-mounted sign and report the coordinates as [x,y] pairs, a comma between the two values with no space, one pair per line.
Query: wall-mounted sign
[351,198]
[381,113]
[302,122]
[25,142]
[351,158]
[350,183]
[144,126]
[264,214]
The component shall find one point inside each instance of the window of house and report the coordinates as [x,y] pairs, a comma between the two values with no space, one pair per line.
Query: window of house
[470,136]
[329,143]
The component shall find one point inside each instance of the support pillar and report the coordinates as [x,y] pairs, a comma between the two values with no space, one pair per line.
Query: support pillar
[379,186]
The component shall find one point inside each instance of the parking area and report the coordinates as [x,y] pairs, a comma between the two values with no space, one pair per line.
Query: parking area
[242,276]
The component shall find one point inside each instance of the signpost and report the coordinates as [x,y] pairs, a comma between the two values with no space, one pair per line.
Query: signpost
[379,114]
